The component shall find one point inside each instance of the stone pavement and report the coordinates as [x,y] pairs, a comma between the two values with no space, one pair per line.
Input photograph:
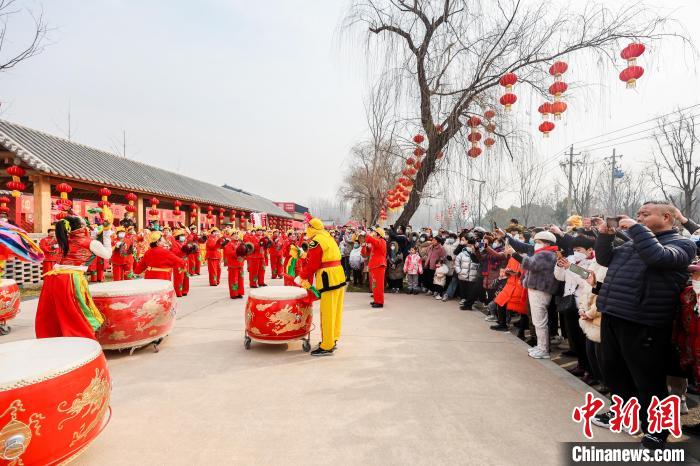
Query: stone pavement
[418,382]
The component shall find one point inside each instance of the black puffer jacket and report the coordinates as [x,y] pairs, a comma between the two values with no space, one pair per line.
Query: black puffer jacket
[645,275]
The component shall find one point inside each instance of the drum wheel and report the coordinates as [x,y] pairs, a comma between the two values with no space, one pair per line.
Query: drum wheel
[4,329]
[306,345]
[246,342]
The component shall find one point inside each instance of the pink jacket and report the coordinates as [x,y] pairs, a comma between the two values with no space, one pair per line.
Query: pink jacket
[413,265]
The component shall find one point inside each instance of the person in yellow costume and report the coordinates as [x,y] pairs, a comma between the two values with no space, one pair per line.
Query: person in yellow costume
[323,262]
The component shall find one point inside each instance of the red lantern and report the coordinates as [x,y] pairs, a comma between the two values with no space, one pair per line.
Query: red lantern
[558,108]
[558,88]
[131,197]
[491,127]
[233,215]
[15,170]
[418,164]
[4,200]
[473,122]
[418,152]
[104,194]
[418,138]
[489,114]
[546,127]
[508,80]
[488,142]
[410,161]
[507,100]
[474,152]
[632,52]
[629,75]
[153,212]
[154,204]
[64,189]
[545,109]
[221,214]
[131,208]
[154,201]
[15,187]
[558,68]
[474,137]
[61,215]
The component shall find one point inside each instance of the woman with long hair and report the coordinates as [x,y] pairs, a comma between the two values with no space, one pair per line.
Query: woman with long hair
[65,306]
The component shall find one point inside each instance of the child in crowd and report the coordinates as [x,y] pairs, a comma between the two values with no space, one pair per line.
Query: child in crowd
[467,270]
[357,264]
[413,268]
[440,278]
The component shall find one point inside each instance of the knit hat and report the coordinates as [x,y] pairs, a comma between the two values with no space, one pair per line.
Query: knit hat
[583,241]
[546,236]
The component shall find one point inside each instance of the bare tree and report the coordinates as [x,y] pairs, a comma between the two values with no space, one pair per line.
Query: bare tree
[374,163]
[11,58]
[448,55]
[676,173]
[528,174]
[584,185]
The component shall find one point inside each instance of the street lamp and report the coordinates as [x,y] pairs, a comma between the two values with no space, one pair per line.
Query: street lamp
[481,185]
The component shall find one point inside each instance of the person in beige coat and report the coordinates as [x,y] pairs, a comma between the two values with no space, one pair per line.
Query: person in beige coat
[589,318]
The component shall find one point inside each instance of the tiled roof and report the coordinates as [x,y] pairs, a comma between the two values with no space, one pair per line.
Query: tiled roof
[61,157]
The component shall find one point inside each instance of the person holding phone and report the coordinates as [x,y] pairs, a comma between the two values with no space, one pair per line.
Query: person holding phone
[639,300]
[573,271]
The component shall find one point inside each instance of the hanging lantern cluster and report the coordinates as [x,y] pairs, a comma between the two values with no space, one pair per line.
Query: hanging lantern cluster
[104,193]
[632,73]
[490,128]
[232,215]
[210,213]
[221,215]
[558,88]
[382,216]
[398,195]
[474,136]
[464,208]
[154,207]
[131,199]
[508,80]
[4,209]
[177,204]
[16,185]
[64,204]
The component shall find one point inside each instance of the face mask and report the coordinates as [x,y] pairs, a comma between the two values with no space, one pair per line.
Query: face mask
[121,235]
[579,256]
[496,244]
[696,286]
[181,239]
[393,248]
[449,241]
[695,238]
[538,246]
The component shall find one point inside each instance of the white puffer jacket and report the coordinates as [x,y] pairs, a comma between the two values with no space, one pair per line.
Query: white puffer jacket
[466,269]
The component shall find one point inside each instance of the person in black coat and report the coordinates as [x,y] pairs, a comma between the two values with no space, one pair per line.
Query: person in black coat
[639,300]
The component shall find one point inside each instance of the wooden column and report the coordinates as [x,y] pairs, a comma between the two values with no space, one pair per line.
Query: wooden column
[42,203]
[139,213]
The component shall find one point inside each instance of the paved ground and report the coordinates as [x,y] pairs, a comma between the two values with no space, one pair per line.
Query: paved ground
[418,382]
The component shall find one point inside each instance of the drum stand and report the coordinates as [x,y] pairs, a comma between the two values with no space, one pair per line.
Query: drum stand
[305,342]
[4,328]
[155,344]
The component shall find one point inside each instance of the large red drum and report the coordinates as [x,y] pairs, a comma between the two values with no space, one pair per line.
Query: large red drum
[278,314]
[9,300]
[54,399]
[137,312]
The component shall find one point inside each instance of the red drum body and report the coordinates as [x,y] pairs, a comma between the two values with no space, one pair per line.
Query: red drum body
[137,312]
[54,399]
[9,300]
[277,314]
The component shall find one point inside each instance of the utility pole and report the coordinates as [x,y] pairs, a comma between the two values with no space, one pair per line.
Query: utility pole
[481,185]
[613,174]
[570,197]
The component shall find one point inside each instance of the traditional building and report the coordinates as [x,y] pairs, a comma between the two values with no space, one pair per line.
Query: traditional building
[49,164]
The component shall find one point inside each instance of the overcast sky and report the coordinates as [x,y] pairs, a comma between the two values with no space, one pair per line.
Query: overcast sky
[262,95]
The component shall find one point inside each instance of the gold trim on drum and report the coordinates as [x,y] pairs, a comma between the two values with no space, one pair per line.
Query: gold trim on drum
[15,436]
[95,398]
[53,375]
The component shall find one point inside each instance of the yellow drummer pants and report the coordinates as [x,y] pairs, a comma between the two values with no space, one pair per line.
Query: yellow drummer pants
[331,317]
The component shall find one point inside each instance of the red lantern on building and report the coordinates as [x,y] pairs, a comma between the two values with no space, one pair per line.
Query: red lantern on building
[16,185]
[222,215]
[232,214]
[131,199]
[104,193]
[177,204]
[4,200]
[154,207]
[546,127]
[418,138]
[63,189]
[630,75]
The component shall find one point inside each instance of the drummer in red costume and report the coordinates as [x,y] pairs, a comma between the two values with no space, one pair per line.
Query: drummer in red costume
[158,262]
[214,244]
[65,306]
[323,263]
[179,247]
[264,259]
[193,257]
[377,265]
[122,256]
[131,238]
[234,256]
[254,259]
[52,251]
[276,259]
